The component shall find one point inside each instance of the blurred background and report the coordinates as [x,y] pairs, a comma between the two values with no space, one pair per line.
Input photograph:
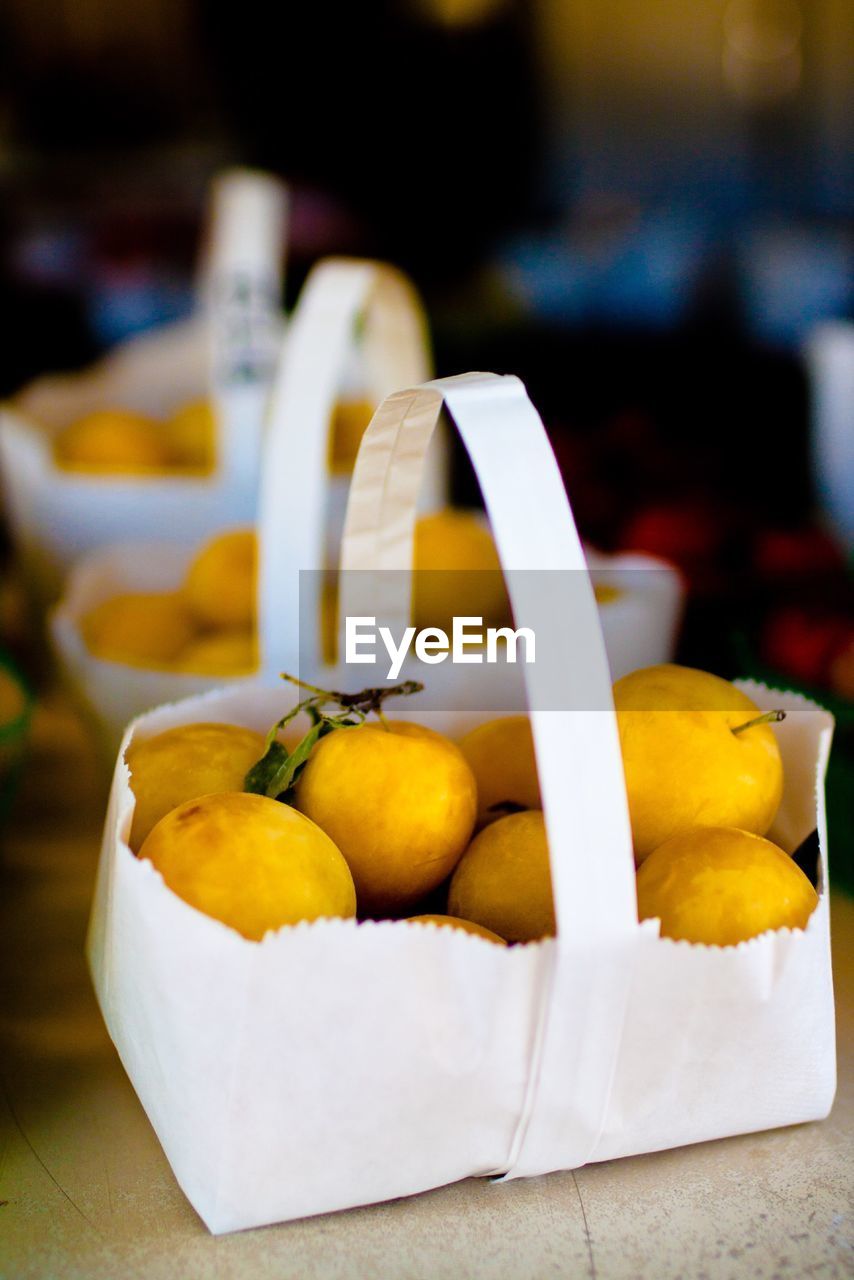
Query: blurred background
[643,207]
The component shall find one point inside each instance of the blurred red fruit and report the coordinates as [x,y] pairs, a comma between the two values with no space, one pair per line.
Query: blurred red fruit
[842,669]
[796,552]
[803,646]
[690,535]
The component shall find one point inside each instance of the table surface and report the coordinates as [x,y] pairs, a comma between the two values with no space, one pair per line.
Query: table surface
[86,1192]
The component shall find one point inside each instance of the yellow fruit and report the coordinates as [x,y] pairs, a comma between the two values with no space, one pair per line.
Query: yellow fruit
[221,653]
[684,767]
[113,441]
[457,572]
[721,886]
[183,763]
[142,629]
[191,433]
[349,421]
[501,756]
[221,584]
[503,880]
[400,804]
[453,922]
[605,593]
[251,862]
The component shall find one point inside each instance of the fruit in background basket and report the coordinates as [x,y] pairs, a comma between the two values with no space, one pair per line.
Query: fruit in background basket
[114,441]
[399,800]
[683,764]
[457,571]
[721,886]
[221,584]
[250,862]
[501,757]
[191,433]
[503,880]
[350,418]
[142,629]
[454,922]
[183,763]
[220,653]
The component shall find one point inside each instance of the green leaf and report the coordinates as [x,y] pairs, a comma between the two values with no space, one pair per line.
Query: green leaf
[260,777]
[276,773]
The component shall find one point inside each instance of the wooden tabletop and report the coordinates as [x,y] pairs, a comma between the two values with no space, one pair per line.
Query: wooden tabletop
[86,1192]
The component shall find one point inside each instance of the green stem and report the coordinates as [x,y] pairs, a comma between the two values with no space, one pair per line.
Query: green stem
[770,717]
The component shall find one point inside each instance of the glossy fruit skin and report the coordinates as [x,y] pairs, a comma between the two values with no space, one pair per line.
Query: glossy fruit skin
[721,886]
[683,765]
[251,862]
[141,629]
[113,441]
[503,880]
[183,763]
[221,584]
[501,757]
[457,571]
[399,802]
[454,922]
[220,653]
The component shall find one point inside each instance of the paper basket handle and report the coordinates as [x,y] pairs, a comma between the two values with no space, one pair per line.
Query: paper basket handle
[578,753]
[337,294]
[587,972]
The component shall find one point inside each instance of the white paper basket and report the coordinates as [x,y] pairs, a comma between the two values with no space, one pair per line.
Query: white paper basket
[225,352]
[337,1064]
[300,508]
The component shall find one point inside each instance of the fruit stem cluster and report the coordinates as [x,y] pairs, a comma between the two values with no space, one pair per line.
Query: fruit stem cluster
[275,774]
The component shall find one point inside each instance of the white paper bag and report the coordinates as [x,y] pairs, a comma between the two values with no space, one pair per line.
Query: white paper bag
[338,1063]
[226,352]
[298,501]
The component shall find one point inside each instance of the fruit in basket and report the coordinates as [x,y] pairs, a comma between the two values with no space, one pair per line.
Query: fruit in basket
[399,800]
[113,441]
[503,880]
[457,571]
[191,434]
[220,653]
[142,629]
[454,922]
[221,584]
[250,862]
[721,886]
[183,763]
[501,757]
[350,418]
[692,756]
